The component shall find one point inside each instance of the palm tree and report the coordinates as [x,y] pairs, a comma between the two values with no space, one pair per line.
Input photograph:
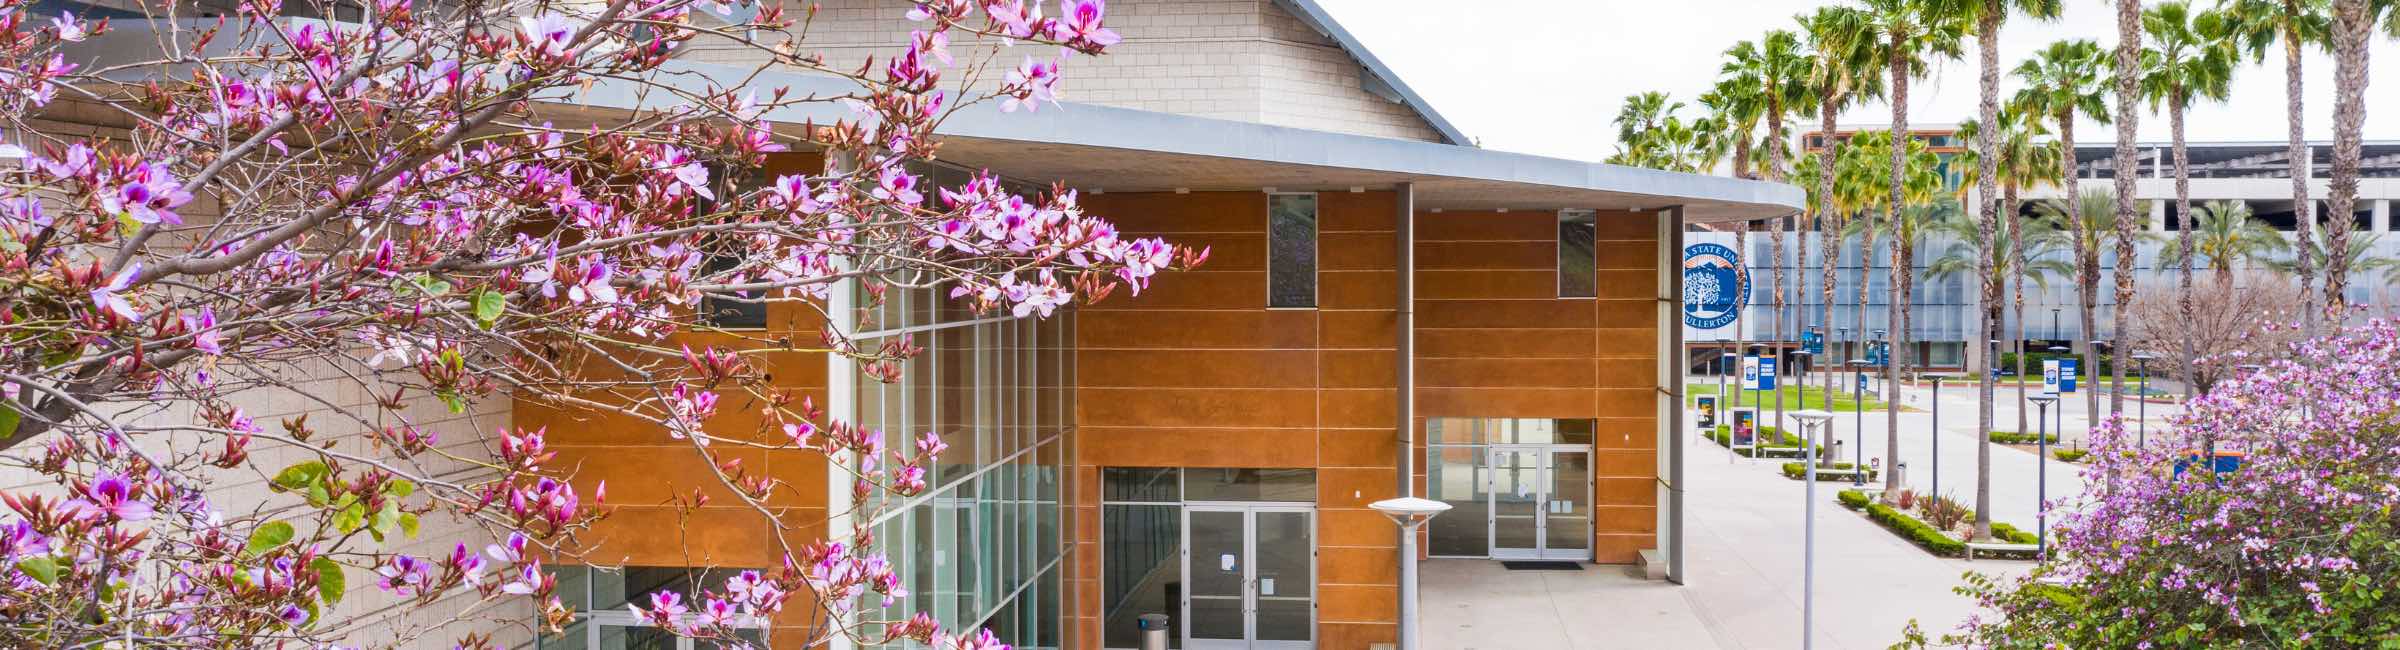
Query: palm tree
[1988,18]
[2255,25]
[2061,82]
[2227,235]
[1841,72]
[2353,20]
[1770,73]
[2185,65]
[1913,33]
[2024,163]
[1736,108]
[1643,112]
[2091,237]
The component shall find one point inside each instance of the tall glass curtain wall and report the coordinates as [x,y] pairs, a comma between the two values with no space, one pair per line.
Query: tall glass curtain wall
[982,546]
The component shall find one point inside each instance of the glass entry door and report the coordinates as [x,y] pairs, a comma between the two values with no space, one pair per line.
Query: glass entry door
[1541,502]
[1250,576]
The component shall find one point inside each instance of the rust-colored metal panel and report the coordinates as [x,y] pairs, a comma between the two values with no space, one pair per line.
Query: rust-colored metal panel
[1504,344]
[1197,407]
[1534,255]
[1171,329]
[1176,446]
[1505,373]
[1198,368]
[1504,314]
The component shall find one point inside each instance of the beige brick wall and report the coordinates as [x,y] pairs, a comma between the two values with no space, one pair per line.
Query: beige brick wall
[1245,60]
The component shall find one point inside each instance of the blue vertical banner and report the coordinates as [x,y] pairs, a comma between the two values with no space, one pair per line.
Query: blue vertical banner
[2066,375]
[1766,373]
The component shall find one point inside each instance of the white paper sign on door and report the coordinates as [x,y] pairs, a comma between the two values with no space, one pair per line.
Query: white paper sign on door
[1225,562]
[1266,586]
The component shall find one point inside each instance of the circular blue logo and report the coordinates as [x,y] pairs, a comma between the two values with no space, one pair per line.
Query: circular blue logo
[1715,286]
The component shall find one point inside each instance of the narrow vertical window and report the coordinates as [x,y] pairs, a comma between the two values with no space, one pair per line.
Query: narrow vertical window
[1291,250]
[1578,262]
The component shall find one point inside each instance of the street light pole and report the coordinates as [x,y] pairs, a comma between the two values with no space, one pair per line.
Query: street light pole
[2041,488]
[1811,420]
[1936,434]
[1409,513]
[1858,430]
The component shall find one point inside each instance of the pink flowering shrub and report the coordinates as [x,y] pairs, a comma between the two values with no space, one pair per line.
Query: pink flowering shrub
[2299,547]
[405,209]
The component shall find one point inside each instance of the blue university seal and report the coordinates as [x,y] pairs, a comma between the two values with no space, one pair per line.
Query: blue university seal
[1715,286]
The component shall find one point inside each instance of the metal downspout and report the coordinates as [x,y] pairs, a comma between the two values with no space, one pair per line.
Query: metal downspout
[1405,236]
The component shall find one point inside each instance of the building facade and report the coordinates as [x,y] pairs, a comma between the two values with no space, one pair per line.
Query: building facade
[1387,311]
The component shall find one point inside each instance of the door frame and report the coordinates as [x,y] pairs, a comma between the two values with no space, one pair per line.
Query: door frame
[1249,510]
[1547,452]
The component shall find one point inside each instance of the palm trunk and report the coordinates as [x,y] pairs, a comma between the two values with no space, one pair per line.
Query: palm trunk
[1775,248]
[1891,360]
[2087,252]
[2351,22]
[1775,174]
[1987,42]
[2021,267]
[1741,335]
[2129,53]
[1828,229]
[2301,163]
[2183,240]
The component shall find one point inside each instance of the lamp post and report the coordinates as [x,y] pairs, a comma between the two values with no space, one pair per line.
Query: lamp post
[2091,357]
[1835,377]
[1810,420]
[2141,418]
[2041,488]
[1885,387]
[1804,356]
[1858,430]
[1724,411]
[1409,513]
[2055,333]
[1936,434]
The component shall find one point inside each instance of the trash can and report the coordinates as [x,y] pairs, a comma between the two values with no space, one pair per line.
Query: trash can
[1154,631]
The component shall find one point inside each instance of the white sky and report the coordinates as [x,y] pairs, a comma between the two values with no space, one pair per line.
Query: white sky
[1544,76]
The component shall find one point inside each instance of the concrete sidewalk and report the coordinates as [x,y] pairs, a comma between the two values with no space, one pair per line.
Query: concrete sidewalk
[1743,589]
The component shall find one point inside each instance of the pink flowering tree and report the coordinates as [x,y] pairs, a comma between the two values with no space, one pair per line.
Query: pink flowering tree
[199,215]
[2299,547]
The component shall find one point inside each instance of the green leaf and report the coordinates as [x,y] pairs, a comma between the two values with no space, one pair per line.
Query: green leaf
[489,305]
[9,419]
[350,518]
[400,487]
[41,567]
[299,475]
[432,286]
[330,582]
[457,404]
[408,525]
[386,518]
[267,537]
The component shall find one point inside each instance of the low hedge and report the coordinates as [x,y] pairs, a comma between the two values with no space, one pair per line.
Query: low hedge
[1924,535]
[2018,438]
[2070,455]
[1852,499]
[1799,472]
[1916,532]
[1778,442]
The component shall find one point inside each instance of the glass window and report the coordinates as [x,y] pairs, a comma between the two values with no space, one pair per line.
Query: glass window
[1291,250]
[1578,262]
[1218,484]
[1142,484]
[1141,570]
[728,313]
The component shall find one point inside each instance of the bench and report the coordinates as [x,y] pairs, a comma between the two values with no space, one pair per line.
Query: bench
[1988,547]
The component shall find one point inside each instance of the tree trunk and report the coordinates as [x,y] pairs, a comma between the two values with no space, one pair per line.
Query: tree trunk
[2128,73]
[1775,250]
[2183,237]
[1828,231]
[1775,174]
[1741,335]
[2087,252]
[1891,357]
[2020,267]
[2351,24]
[2301,162]
[1987,166]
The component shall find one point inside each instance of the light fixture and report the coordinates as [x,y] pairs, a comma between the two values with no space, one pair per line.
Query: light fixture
[1409,513]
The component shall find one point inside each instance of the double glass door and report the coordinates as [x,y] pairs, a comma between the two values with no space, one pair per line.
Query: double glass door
[1540,502]
[1250,576]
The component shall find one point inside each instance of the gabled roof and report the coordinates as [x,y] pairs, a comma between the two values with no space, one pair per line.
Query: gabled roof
[1378,78]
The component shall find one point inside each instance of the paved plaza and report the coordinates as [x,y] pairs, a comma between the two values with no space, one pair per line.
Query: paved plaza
[1744,587]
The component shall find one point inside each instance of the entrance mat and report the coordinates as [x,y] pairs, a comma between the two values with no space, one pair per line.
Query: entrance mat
[1547,565]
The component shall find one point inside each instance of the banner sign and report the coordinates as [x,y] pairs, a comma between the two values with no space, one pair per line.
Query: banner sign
[1814,343]
[1878,353]
[1745,428]
[1715,286]
[1750,373]
[2066,375]
[1704,412]
[1766,373]
[2049,376]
